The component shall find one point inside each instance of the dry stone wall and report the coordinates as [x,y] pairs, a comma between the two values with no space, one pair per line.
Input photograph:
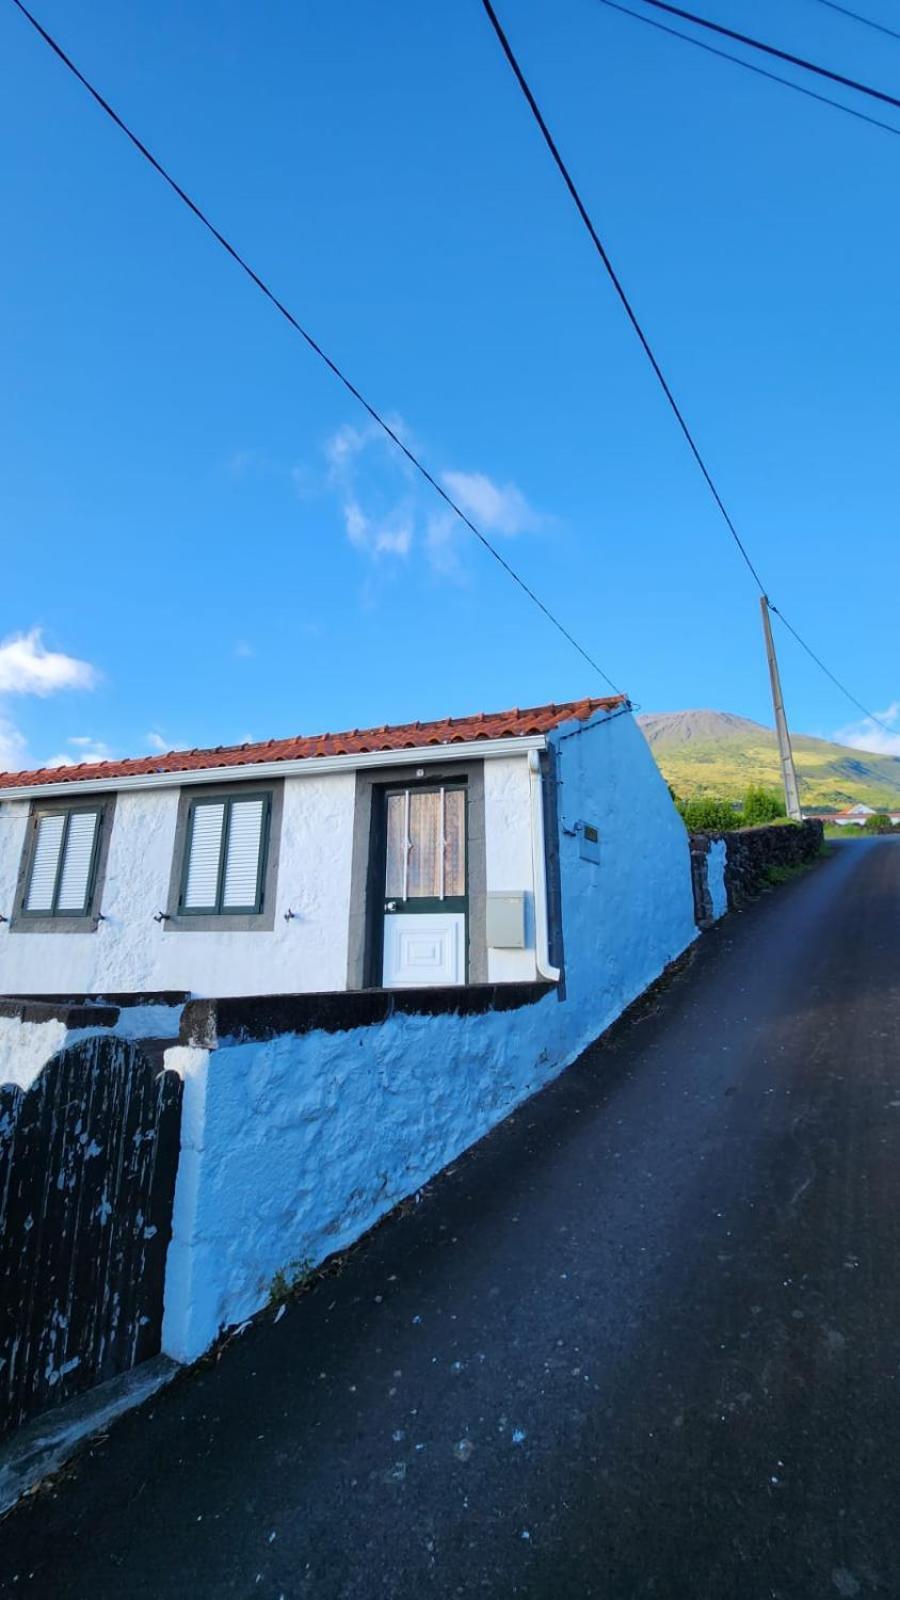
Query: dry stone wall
[750,854]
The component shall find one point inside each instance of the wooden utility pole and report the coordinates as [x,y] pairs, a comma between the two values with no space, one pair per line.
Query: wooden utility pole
[788,770]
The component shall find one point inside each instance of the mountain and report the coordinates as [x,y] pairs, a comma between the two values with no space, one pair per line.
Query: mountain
[715,753]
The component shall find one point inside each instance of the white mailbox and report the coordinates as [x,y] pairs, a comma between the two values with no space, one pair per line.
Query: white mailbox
[506,921]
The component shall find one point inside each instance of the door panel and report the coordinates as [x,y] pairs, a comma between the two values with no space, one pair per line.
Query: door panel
[424,949]
[425,906]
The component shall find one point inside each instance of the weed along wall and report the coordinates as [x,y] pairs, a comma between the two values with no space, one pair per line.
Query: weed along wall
[306,1118]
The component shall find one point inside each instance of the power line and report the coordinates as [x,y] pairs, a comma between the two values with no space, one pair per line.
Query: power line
[313,344]
[772,50]
[616,283]
[749,66]
[827,671]
[633,319]
[867,22]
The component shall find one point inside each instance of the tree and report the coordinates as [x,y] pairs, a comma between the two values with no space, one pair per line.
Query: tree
[761,806]
[879,823]
[709,816]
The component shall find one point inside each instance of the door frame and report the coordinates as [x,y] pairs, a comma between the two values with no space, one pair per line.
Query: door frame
[366,924]
[431,906]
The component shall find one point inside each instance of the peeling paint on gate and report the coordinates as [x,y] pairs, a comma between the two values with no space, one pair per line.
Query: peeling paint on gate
[88,1157]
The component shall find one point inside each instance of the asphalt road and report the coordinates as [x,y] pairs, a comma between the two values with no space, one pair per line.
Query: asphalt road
[643,1342]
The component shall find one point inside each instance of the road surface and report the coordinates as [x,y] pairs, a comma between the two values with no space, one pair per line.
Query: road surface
[643,1342]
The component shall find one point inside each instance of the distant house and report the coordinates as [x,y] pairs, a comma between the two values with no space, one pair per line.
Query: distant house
[853,816]
[856,816]
[493,848]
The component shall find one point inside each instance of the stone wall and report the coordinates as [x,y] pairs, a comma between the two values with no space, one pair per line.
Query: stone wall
[749,854]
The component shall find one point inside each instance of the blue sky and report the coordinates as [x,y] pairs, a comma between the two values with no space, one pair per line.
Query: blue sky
[198,524]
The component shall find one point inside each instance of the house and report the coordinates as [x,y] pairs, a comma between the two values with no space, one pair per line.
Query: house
[355,953]
[853,816]
[857,816]
[487,849]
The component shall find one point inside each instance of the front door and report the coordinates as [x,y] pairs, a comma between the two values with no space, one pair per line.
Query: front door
[425,888]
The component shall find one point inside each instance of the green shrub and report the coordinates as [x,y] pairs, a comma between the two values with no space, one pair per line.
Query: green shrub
[287,1281]
[880,823]
[709,816]
[761,806]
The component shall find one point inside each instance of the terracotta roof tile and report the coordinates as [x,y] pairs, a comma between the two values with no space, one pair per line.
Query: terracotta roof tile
[405,736]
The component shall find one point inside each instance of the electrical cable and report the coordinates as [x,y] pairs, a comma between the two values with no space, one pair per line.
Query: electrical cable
[313,344]
[633,319]
[616,283]
[867,22]
[827,671]
[749,66]
[772,50]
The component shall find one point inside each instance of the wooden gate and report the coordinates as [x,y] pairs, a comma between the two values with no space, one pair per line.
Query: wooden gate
[88,1158]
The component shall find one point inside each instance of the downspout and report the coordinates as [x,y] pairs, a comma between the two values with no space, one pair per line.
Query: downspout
[539,870]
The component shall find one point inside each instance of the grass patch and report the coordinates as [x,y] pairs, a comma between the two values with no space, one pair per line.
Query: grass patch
[289,1280]
[777,875]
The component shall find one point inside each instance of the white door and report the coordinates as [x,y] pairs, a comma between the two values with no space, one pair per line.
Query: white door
[425,888]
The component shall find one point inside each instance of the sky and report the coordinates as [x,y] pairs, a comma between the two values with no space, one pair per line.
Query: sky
[204,539]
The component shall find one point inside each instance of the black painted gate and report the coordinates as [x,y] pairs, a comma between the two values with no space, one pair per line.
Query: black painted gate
[88,1158]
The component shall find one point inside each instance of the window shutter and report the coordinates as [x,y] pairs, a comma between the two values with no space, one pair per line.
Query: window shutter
[245,837]
[74,882]
[202,881]
[45,863]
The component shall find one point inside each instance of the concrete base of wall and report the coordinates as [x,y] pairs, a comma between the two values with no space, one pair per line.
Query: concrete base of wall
[44,1445]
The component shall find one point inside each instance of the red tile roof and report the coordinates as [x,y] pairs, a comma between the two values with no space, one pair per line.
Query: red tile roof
[403,736]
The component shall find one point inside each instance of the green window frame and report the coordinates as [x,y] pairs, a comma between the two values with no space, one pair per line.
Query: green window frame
[217,904]
[46,814]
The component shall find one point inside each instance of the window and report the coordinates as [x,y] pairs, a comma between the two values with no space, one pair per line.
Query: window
[62,871]
[225,855]
[426,845]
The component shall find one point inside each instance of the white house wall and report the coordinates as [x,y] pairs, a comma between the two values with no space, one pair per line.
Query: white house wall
[294,1146]
[130,952]
[507,830]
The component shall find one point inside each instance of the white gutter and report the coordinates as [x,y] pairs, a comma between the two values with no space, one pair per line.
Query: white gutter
[539,868]
[308,767]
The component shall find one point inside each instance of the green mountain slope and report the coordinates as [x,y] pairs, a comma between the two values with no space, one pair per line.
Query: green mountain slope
[715,753]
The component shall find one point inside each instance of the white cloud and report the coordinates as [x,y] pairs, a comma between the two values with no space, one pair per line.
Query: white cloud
[85,749]
[442,539]
[28,667]
[496,508]
[347,443]
[382,520]
[364,464]
[155,741]
[392,534]
[867,735]
[13,748]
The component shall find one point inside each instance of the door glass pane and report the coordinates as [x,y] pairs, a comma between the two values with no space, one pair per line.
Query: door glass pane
[425,855]
[454,842]
[396,845]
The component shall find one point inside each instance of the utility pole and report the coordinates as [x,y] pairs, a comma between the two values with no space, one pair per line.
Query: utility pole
[788,771]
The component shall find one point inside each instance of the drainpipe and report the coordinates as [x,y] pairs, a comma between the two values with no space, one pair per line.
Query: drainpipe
[539,867]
